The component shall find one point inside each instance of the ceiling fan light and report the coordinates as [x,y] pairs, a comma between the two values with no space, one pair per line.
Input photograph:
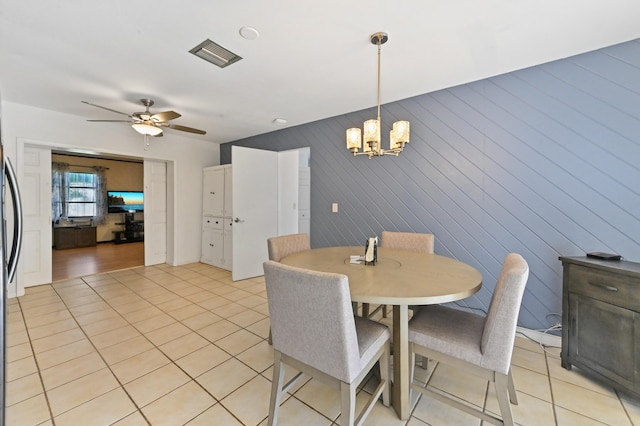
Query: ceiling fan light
[146,129]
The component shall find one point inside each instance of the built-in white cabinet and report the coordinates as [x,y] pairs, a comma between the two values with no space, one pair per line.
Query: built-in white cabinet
[234,237]
[213,192]
[227,251]
[212,241]
[217,218]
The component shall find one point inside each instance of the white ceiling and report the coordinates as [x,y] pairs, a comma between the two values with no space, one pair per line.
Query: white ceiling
[312,60]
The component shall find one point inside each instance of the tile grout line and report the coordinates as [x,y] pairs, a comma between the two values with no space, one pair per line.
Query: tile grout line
[35,359]
[172,361]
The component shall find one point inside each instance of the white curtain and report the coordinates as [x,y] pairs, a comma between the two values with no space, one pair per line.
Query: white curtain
[58,189]
[101,195]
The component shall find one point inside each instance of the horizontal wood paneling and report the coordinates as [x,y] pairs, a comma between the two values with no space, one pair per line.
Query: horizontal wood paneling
[543,161]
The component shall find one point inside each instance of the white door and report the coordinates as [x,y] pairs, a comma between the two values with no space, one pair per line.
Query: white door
[255,208]
[288,192]
[35,189]
[155,212]
[304,200]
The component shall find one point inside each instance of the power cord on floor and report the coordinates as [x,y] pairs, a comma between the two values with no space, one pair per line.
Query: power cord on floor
[555,327]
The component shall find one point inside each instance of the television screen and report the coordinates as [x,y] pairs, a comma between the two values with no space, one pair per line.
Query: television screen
[125,201]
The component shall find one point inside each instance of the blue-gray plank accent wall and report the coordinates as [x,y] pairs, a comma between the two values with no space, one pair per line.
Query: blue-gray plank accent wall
[543,161]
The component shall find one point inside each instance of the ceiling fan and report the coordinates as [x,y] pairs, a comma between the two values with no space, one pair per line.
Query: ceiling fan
[147,123]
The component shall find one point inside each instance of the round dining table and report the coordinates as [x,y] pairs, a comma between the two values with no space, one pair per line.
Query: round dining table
[399,278]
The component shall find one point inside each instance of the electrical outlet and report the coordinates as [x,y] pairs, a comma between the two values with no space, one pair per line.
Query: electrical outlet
[334,208]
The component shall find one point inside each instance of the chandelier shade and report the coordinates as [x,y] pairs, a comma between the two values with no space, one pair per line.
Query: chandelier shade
[371,143]
[399,135]
[354,138]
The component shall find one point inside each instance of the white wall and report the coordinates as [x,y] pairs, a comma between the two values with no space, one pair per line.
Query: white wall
[24,124]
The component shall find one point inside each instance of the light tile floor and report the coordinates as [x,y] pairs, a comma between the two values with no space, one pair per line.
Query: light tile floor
[169,345]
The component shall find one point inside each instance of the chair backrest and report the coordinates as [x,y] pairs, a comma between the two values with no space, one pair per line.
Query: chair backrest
[285,245]
[407,241]
[499,331]
[312,319]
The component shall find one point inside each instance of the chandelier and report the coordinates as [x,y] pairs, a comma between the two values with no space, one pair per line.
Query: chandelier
[399,134]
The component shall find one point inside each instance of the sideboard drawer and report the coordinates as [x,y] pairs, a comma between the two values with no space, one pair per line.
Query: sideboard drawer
[605,286]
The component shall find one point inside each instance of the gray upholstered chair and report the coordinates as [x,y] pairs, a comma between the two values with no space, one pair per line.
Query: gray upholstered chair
[315,332]
[406,241]
[285,245]
[481,345]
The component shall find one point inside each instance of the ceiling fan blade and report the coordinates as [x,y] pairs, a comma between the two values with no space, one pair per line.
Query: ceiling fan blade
[108,109]
[165,116]
[111,121]
[186,129]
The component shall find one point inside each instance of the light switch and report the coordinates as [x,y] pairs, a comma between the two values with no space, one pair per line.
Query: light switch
[334,207]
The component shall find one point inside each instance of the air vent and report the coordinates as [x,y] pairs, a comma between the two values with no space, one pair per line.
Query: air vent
[214,53]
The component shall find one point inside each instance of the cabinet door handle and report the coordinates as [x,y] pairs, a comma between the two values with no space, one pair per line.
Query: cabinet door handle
[604,286]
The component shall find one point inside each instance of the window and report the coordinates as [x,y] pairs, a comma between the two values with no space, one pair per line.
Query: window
[81,194]
[78,194]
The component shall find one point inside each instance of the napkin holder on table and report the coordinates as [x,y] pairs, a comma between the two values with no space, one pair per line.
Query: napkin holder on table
[371,251]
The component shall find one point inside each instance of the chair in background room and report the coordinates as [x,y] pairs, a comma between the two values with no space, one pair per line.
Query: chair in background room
[423,243]
[283,246]
[316,333]
[481,345]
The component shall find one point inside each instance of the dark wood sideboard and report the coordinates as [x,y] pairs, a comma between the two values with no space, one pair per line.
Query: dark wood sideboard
[66,237]
[601,320]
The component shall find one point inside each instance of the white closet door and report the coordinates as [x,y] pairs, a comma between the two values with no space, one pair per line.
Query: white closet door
[35,188]
[155,212]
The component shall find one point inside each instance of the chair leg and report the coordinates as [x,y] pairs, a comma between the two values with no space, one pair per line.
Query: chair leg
[384,375]
[347,404]
[422,361]
[412,367]
[384,311]
[502,392]
[276,390]
[513,397]
[365,310]
[270,339]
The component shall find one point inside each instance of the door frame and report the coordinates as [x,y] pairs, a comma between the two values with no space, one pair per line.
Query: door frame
[172,166]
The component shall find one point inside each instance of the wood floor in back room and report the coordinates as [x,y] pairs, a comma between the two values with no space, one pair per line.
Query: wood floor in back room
[104,257]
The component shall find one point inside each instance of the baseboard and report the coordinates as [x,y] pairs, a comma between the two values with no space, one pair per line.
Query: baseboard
[541,337]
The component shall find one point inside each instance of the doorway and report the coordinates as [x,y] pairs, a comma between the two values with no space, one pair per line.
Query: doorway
[34,160]
[105,249]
